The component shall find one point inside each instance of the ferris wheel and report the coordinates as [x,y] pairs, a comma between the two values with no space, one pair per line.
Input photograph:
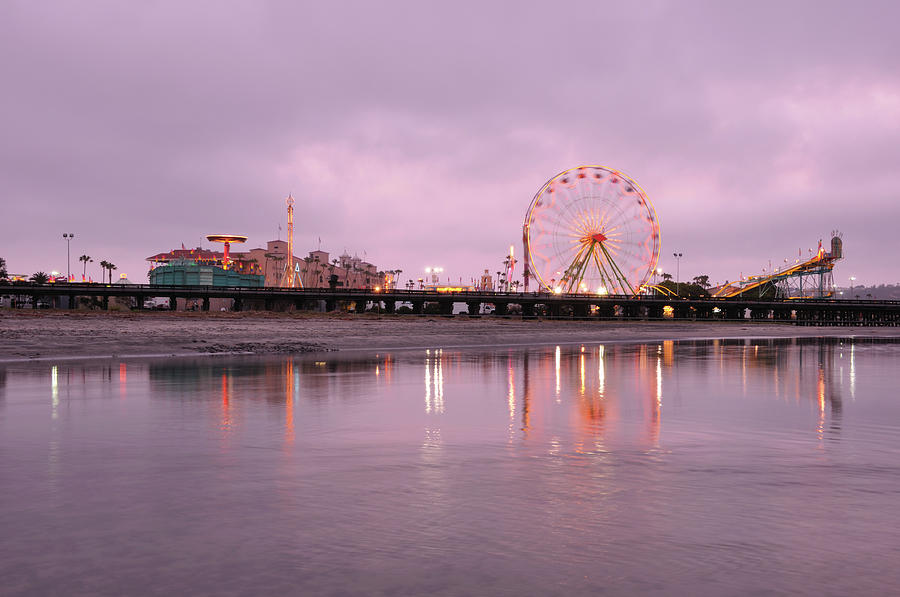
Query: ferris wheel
[591,229]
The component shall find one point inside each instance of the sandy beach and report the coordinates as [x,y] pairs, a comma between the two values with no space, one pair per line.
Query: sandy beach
[26,335]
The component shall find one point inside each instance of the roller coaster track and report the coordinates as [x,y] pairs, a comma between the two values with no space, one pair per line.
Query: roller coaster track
[819,265]
[662,290]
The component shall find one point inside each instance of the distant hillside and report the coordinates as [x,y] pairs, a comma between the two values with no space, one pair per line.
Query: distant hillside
[880,292]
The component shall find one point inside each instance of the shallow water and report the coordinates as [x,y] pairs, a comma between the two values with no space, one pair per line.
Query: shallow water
[719,467]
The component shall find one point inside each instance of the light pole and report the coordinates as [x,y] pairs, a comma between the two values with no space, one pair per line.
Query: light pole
[678,257]
[68,236]
[435,273]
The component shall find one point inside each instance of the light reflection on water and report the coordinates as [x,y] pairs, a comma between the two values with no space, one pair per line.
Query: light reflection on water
[721,467]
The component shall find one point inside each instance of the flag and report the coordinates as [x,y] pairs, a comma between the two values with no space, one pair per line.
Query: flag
[182,246]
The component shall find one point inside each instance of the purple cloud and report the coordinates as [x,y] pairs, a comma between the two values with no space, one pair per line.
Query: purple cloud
[419,134]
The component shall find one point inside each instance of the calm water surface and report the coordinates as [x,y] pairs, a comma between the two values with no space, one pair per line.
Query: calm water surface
[719,467]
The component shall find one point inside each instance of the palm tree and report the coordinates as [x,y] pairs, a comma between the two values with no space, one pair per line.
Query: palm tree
[304,273]
[40,278]
[104,265]
[110,267]
[334,264]
[332,277]
[272,256]
[275,258]
[85,259]
[347,275]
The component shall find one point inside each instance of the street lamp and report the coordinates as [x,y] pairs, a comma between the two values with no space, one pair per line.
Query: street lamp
[68,236]
[678,257]
[434,271]
[852,280]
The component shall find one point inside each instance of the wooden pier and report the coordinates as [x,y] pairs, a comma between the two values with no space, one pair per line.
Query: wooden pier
[812,312]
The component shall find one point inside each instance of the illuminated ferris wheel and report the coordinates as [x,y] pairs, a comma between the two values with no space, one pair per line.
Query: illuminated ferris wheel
[591,230]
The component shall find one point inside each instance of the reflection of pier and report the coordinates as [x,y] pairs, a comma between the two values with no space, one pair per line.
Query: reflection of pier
[830,312]
[434,381]
[607,393]
[617,391]
[828,387]
[599,387]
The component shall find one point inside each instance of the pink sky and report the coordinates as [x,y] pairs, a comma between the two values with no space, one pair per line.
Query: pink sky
[418,132]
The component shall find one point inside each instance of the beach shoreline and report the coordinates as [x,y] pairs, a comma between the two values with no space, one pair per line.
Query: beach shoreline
[39,335]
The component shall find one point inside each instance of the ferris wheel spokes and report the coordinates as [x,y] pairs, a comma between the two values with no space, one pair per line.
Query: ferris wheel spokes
[593,250]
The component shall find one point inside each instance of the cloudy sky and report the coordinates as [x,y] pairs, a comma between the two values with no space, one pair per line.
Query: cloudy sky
[416,133]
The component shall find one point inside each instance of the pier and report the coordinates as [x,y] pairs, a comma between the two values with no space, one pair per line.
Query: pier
[807,312]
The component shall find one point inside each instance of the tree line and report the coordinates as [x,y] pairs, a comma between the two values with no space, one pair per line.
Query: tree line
[41,277]
[698,287]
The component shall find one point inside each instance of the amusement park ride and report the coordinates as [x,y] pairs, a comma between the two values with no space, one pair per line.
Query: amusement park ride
[592,230]
[807,279]
[290,278]
[226,239]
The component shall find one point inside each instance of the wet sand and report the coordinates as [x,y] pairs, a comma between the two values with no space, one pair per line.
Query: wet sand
[26,335]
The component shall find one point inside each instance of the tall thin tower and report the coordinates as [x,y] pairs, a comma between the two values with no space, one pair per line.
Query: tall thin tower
[288,279]
[526,273]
